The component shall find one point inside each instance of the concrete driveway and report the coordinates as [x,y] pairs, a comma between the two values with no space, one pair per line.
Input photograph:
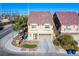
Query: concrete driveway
[46,47]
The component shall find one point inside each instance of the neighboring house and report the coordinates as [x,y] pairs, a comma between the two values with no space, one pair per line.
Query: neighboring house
[40,26]
[67,22]
[5,20]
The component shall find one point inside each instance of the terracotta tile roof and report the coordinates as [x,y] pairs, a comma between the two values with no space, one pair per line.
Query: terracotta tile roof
[40,18]
[68,18]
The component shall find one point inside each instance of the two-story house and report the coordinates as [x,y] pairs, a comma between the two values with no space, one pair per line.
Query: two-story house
[40,26]
[66,22]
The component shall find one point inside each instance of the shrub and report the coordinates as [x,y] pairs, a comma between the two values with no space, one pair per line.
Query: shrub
[66,41]
[56,42]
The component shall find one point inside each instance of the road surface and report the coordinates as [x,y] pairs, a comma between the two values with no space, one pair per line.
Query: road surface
[7,29]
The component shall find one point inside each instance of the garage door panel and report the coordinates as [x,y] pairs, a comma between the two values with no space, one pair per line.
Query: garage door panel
[44,36]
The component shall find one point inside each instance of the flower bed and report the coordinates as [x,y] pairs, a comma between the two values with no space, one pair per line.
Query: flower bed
[29,45]
[15,41]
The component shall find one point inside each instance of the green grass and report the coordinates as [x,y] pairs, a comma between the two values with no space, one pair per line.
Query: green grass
[29,46]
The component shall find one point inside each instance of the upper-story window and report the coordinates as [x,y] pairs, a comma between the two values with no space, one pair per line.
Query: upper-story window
[68,28]
[34,26]
[47,26]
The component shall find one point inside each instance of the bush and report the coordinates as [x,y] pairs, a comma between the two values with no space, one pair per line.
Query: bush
[56,42]
[66,41]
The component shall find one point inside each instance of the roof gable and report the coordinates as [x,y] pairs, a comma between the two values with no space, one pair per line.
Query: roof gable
[40,18]
[68,18]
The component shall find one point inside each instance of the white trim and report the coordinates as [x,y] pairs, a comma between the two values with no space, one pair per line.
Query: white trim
[34,24]
[46,24]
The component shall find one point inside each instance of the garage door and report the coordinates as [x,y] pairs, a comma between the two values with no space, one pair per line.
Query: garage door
[44,36]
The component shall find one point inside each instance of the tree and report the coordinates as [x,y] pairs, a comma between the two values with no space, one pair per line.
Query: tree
[20,23]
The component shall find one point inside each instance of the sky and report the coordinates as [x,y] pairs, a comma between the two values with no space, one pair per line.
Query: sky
[26,8]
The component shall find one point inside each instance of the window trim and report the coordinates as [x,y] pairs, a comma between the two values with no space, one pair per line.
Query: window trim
[45,26]
[33,25]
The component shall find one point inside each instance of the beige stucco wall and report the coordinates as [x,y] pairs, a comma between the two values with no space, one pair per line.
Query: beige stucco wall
[40,30]
[73,29]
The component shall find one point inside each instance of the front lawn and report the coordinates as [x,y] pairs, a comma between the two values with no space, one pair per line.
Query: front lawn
[29,46]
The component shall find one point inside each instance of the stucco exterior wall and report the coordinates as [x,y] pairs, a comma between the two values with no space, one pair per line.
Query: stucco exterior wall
[39,30]
[73,29]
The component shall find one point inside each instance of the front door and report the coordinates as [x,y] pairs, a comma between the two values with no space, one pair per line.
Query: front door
[35,36]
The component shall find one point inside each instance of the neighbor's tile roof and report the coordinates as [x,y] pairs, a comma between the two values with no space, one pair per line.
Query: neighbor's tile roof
[68,18]
[40,18]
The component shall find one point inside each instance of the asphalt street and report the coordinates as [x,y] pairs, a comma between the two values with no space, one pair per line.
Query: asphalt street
[5,31]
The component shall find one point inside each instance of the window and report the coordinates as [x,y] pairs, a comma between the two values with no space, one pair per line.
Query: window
[34,26]
[68,28]
[47,27]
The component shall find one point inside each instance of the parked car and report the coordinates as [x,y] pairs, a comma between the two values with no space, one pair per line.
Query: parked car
[71,51]
[1,26]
